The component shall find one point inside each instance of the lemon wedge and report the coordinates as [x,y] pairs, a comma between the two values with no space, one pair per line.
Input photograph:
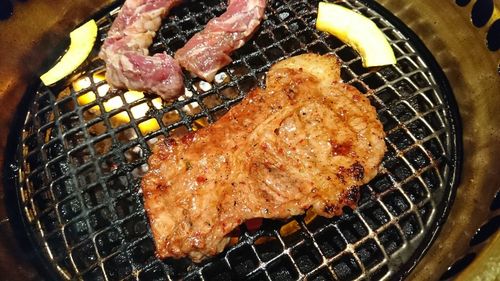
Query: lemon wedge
[357,31]
[82,41]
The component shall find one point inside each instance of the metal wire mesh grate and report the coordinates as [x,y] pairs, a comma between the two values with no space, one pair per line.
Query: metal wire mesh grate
[84,147]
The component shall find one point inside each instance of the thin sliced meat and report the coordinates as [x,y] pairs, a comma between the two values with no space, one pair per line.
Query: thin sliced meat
[125,51]
[209,50]
[306,141]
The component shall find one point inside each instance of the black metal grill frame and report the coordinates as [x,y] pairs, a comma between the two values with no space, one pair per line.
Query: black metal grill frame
[79,185]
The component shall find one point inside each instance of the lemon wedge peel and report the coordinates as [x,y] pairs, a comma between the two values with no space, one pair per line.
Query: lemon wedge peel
[357,31]
[82,42]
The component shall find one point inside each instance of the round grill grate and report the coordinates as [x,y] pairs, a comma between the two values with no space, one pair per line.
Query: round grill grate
[83,149]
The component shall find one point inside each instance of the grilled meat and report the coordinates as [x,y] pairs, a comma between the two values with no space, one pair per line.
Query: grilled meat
[125,50]
[208,51]
[306,141]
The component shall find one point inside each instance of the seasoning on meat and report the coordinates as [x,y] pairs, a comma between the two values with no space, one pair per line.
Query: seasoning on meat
[208,51]
[125,51]
[307,141]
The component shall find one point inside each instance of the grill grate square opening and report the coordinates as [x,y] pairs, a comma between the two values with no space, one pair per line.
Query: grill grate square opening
[405,88]
[415,191]
[270,249]
[66,105]
[117,185]
[366,195]
[48,221]
[58,169]
[69,122]
[247,83]
[43,200]
[307,36]
[118,267]
[291,44]
[390,73]
[84,256]
[346,268]
[74,139]
[319,48]
[69,209]
[434,120]
[264,39]
[109,164]
[417,158]
[108,241]
[243,260]
[418,129]
[134,227]
[402,112]
[352,228]
[374,215]
[401,170]
[306,257]
[410,226]
[53,149]
[406,65]
[100,218]
[126,205]
[369,253]
[431,179]
[230,92]
[103,146]
[211,101]
[435,149]
[387,95]
[382,182]
[425,212]
[395,202]
[256,62]
[76,232]
[388,121]
[347,54]
[330,242]
[391,239]
[142,253]
[56,246]
[80,156]
[282,269]
[373,81]
[400,139]
[94,196]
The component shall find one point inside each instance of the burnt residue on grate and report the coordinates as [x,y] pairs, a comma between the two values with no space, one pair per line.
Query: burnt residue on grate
[84,147]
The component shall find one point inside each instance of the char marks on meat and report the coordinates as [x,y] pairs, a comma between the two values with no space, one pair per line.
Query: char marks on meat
[125,50]
[208,51]
[306,141]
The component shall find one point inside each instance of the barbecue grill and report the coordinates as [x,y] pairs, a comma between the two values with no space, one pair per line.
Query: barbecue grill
[77,151]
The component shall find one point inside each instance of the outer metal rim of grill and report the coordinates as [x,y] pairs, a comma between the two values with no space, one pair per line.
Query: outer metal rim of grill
[281,14]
